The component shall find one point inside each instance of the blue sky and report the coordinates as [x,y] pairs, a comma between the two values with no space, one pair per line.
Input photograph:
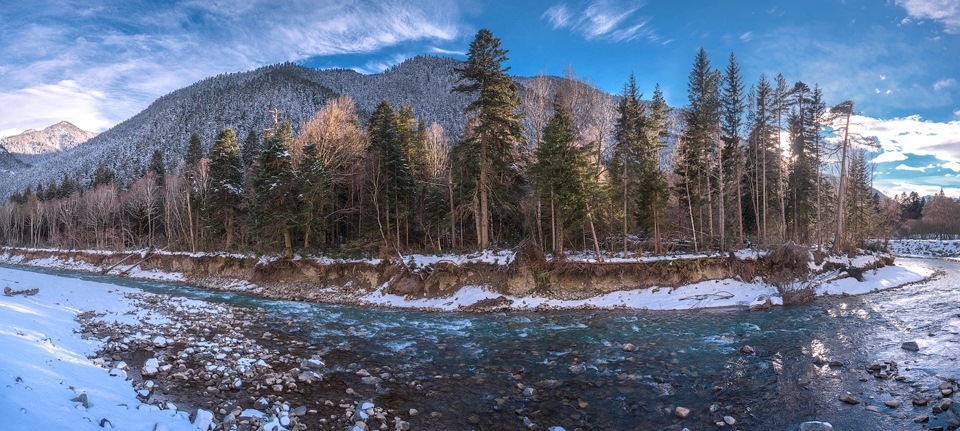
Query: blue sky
[97,62]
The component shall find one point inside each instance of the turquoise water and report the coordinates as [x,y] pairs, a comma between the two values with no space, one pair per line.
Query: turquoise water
[477,364]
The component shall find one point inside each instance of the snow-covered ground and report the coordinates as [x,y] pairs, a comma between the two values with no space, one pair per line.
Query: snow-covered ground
[925,248]
[714,293]
[589,257]
[45,365]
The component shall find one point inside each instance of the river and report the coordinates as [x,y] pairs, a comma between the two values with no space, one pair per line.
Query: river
[473,369]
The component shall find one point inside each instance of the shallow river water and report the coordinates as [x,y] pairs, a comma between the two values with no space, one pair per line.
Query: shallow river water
[472,369]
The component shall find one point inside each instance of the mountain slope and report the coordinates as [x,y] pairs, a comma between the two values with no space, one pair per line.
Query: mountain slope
[58,137]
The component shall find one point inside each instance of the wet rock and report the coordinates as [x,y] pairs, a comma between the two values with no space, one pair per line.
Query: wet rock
[473,419]
[629,347]
[816,426]
[910,345]
[681,412]
[872,409]
[892,403]
[729,420]
[849,398]
[529,392]
[920,401]
[747,350]
[921,419]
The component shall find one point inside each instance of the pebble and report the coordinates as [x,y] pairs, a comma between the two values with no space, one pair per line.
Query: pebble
[747,350]
[629,347]
[729,420]
[892,403]
[681,412]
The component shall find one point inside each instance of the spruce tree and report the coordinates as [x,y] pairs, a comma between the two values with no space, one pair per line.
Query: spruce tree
[392,184]
[158,169]
[733,108]
[562,174]
[653,195]
[194,153]
[276,195]
[226,185]
[624,165]
[497,133]
[314,194]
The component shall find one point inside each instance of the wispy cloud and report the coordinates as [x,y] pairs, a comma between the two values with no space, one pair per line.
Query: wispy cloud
[944,84]
[602,20]
[98,62]
[946,12]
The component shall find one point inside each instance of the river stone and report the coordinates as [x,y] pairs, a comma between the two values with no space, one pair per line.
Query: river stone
[681,412]
[816,426]
[849,398]
[892,403]
[729,420]
[910,345]
[747,350]
[82,399]
[921,419]
[629,347]
[919,401]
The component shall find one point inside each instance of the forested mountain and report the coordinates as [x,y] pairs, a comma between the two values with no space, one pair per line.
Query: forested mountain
[244,101]
[33,146]
[9,164]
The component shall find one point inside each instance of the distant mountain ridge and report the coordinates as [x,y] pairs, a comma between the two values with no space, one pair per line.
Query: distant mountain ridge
[58,137]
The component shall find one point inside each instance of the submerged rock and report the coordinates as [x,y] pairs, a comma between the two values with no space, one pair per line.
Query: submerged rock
[910,345]
[816,426]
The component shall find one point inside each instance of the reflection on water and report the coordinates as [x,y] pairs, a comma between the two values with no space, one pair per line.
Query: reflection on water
[476,364]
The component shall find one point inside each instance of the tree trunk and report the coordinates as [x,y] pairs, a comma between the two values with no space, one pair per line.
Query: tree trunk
[484,191]
[838,238]
[287,244]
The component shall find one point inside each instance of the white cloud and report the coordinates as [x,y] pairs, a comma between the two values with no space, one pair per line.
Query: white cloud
[746,37]
[96,72]
[956,113]
[912,135]
[890,156]
[44,105]
[903,167]
[601,19]
[944,83]
[953,166]
[946,12]
[883,77]
[10,132]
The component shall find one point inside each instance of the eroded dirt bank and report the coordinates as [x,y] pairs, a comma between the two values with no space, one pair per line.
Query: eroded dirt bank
[347,282]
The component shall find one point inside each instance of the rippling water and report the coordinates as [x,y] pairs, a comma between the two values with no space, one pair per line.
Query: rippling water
[477,364]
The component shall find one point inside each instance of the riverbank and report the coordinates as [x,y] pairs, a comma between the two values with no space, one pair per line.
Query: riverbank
[500,280]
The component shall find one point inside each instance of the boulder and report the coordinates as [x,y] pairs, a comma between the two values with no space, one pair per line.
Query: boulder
[816,426]
[910,345]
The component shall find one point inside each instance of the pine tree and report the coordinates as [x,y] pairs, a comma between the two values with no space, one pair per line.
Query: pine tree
[103,175]
[226,185]
[498,130]
[250,151]
[276,196]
